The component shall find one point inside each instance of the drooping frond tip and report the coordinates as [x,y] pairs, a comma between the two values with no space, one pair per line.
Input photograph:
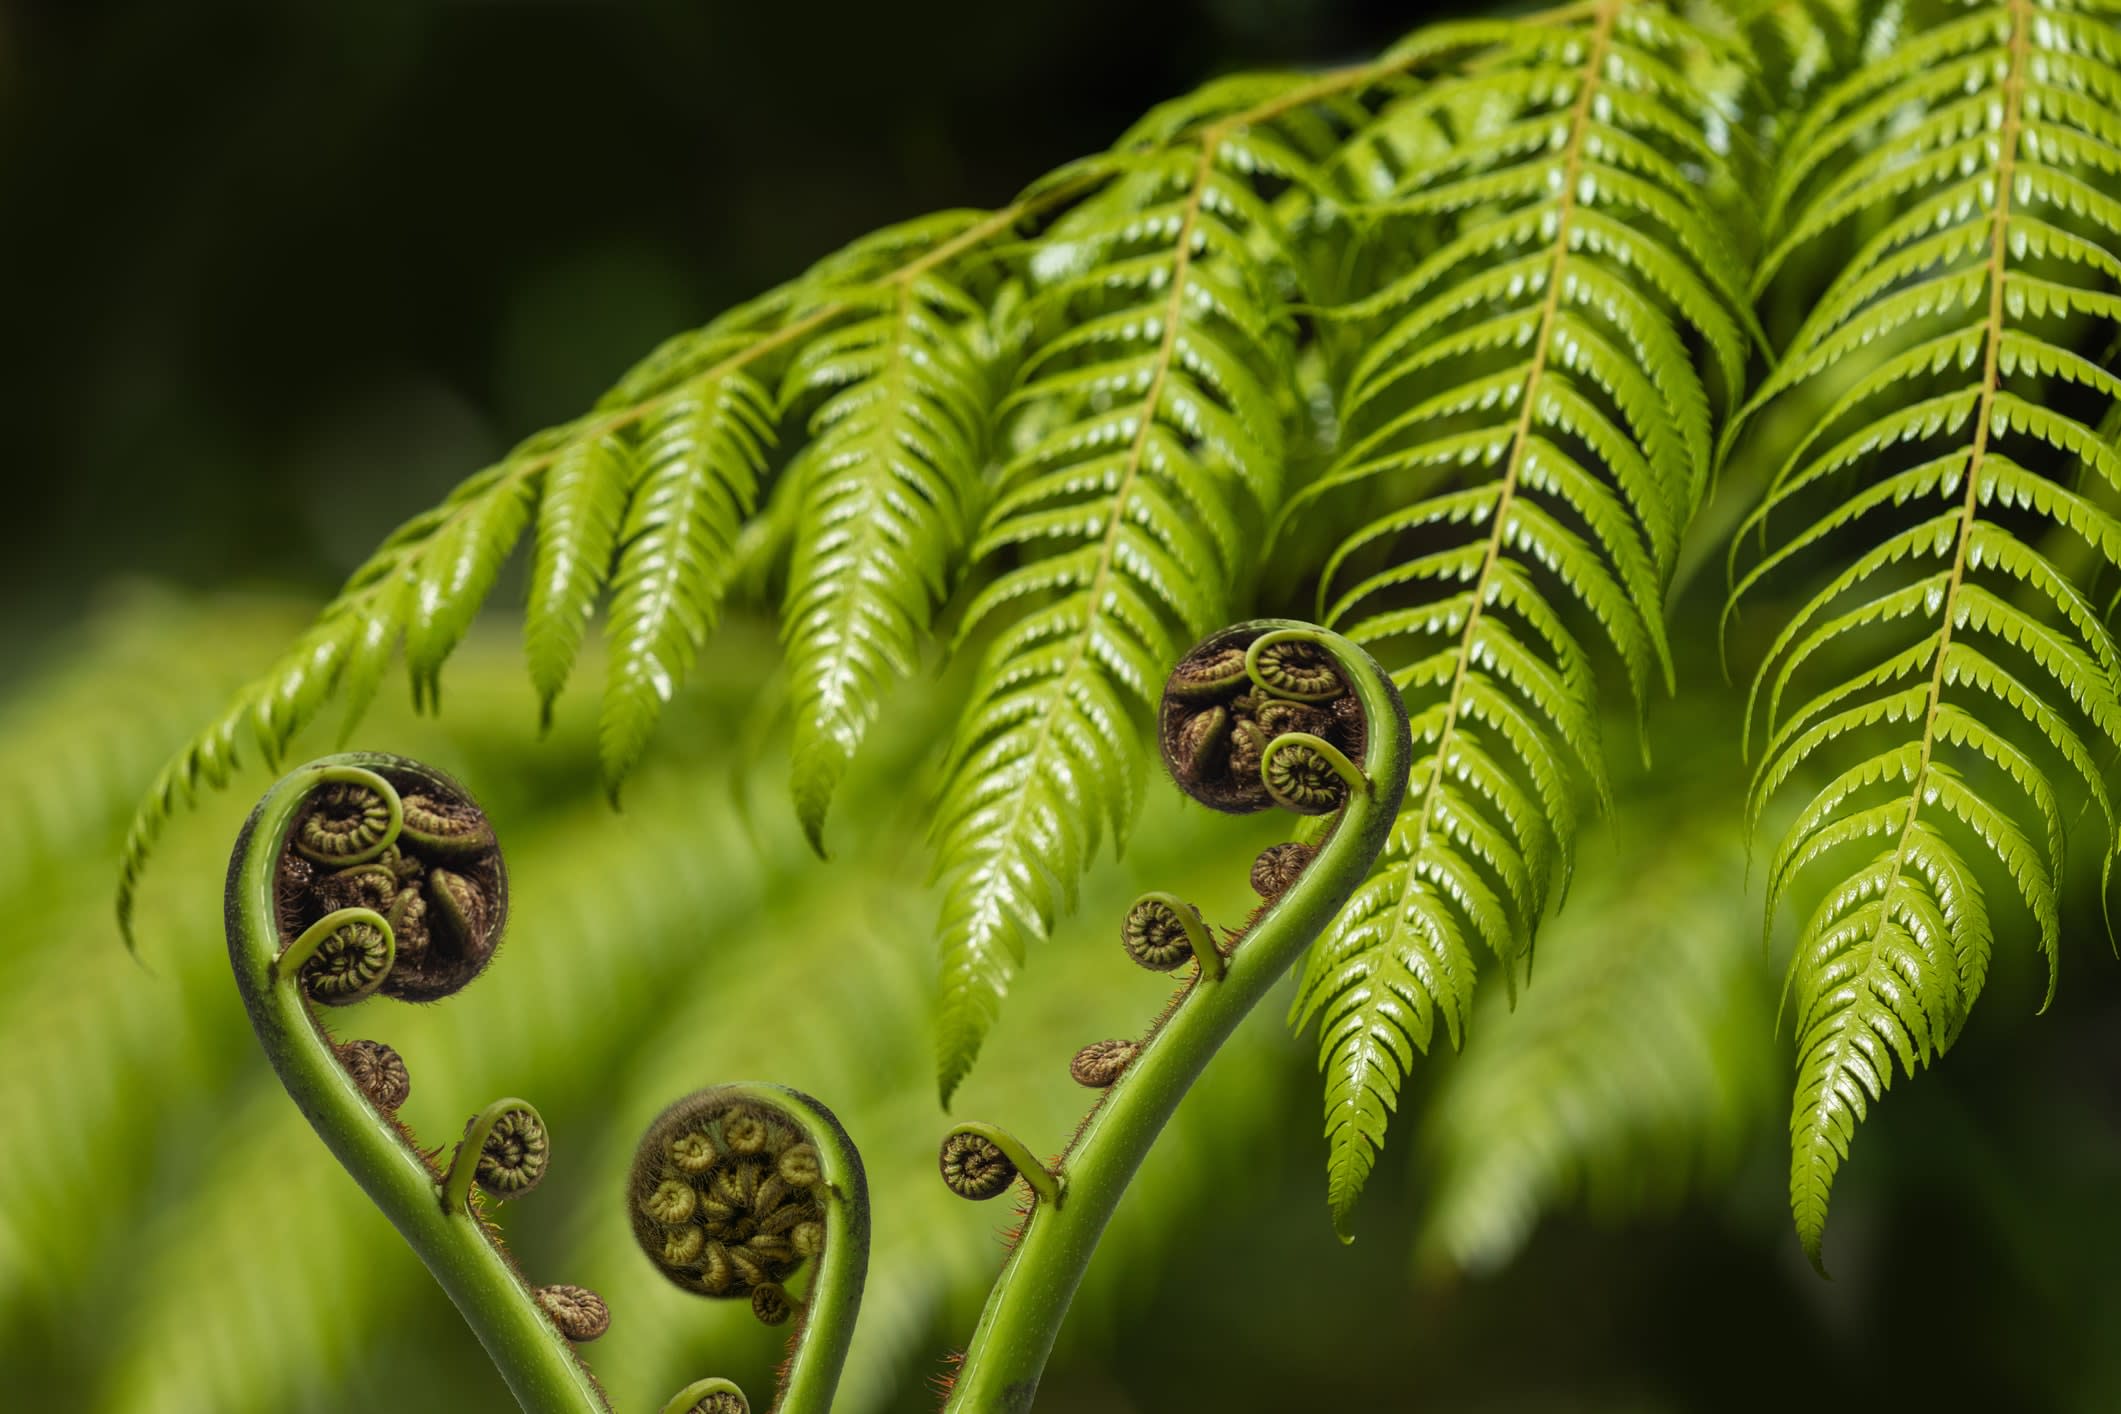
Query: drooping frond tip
[1525,425]
[1950,669]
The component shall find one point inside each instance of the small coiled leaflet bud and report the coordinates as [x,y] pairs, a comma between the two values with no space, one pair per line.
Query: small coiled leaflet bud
[444,827]
[975,1167]
[1301,778]
[770,1303]
[347,823]
[1279,866]
[1155,936]
[513,1154]
[579,1312]
[348,965]
[1101,1063]
[1292,668]
[379,1071]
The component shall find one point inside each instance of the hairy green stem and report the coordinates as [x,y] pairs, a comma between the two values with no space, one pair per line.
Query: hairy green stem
[534,1358]
[1024,1311]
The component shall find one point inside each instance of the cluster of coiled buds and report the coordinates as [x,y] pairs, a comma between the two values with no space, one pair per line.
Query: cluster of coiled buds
[406,865]
[727,1199]
[1253,719]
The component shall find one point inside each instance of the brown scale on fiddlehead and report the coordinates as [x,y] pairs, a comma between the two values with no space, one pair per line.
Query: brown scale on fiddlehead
[425,859]
[379,1070]
[719,1192]
[1101,1063]
[579,1312]
[1279,866]
[1227,702]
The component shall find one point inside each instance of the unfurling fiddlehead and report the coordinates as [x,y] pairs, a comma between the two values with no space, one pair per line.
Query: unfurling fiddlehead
[368,875]
[733,1190]
[1262,714]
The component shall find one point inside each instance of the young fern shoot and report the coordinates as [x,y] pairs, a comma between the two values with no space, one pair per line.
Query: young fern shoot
[1263,714]
[364,874]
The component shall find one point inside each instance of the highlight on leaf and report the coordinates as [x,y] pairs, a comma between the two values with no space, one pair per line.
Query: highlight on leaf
[1528,408]
[1949,683]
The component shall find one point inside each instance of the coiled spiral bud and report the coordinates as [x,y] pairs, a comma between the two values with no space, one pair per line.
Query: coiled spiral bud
[348,964]
[347,823]
[727,1199]
[509,1151]
[1300,776]
[1233,696]
[380,1072]
[579,1312]
[1156,936]
[1100,1064]
[1279,866]
[409,844]
[975,1167]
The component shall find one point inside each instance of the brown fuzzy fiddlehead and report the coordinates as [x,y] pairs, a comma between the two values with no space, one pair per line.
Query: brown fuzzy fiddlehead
[379,1070]
[1100,1064]
[1279,866]
[718,1183]
[579,1312]
[734,1190]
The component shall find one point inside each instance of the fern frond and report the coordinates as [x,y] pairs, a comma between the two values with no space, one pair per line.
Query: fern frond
[1958,189]
[888,487]
[1145,437]
[1526,432]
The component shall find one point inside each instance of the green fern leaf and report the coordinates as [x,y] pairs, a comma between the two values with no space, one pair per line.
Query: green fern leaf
[702,454]
[888,487]
[1527,431]
[1146,442]
[579,514]
[1953,667]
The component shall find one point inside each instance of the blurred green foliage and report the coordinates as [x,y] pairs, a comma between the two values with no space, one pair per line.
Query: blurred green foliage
[1603,1163]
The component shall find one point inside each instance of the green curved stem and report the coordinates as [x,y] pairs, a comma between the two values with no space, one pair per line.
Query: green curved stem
[1024,1311]
[1044,1181]
[534,1358]
[835,1295]
[683,1401]
[1209,956]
